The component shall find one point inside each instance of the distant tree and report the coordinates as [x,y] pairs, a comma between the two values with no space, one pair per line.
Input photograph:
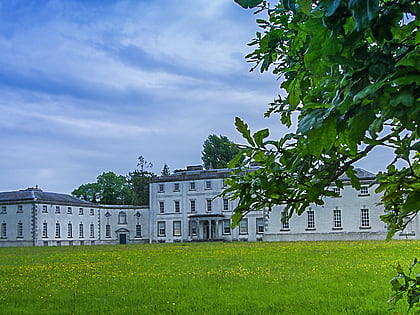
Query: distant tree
[89,192]
[218,151]
[114,189]
[139,180]
[165,170]
[109,188]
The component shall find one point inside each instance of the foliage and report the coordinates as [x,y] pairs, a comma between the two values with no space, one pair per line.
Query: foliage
[109,188]
[165,170]
[88,192]
[350,70]
[218,151]
[201,278]
[410,286]
[139,180]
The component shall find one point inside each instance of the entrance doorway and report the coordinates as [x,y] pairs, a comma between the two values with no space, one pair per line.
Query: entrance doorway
[123,238]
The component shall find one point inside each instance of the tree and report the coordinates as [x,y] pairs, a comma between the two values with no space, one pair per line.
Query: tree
[109,188]
[350,70]
[165,170]
[88,192]
[218,151]
[139,180]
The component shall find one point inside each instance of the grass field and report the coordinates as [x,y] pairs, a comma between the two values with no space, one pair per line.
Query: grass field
[203,278]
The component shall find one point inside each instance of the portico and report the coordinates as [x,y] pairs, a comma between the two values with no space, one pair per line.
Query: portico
[205,227]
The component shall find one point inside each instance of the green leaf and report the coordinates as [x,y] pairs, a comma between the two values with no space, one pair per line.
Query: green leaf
[360,123]
[322,138]
[412,203]
[259,136]
[364,11]
[243,129]
[248,3]
[330,10]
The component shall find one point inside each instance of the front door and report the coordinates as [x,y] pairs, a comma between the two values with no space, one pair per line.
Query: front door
[206,230]
[123,238]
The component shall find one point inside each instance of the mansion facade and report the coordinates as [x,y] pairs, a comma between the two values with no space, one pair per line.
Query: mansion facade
[185,207]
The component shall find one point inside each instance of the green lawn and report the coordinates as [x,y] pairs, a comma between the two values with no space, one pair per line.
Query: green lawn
[203,278]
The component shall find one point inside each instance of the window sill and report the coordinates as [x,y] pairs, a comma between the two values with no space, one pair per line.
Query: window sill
[364,227]
[284,230]
[310,229]
[337,228]
[363,195]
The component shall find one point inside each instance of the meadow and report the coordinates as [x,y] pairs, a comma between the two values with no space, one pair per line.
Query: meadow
[203,278]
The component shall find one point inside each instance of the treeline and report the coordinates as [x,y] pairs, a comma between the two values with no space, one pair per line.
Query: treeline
[133,189]
[113,189]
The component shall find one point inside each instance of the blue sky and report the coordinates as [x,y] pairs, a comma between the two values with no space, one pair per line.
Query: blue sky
[88,86]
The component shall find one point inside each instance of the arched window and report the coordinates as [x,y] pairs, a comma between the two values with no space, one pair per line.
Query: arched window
[122,218]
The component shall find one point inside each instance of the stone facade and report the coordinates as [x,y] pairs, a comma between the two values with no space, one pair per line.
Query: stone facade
[354,215]
[32,217]
[185,207]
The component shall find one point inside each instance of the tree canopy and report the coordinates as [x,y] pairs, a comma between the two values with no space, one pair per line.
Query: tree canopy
[218,151]
[350,73]
[109,188]
[113,189]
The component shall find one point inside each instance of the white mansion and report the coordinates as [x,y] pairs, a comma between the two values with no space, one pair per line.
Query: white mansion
[184,207]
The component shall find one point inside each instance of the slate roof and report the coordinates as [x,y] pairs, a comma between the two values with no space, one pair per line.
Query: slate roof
[361,174]
[37,195]
[196,174]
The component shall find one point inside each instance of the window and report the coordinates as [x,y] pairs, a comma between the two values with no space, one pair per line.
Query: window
[176,186]
[138,230]
[69,210]
[176,206]
[80,211]
[161,188]
[364,190]
[44,209]
[122,218]
[108,230]
[161,206]
[192,185]
[285,223]
[225,204]
[208,204]
[364,218]
[45,229]
[337,219]
[92,230]
[243,226]
[81,230]
[3,209]
[57,209]
[226,227]
[69,230]
[20,209]
[20,230]
[192,205]
[260,225]
[208,184]
[193,228]
[177,228]
[3,231]
[92,211]
[161,228]
[337,191]
[311,219]
[57,229]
